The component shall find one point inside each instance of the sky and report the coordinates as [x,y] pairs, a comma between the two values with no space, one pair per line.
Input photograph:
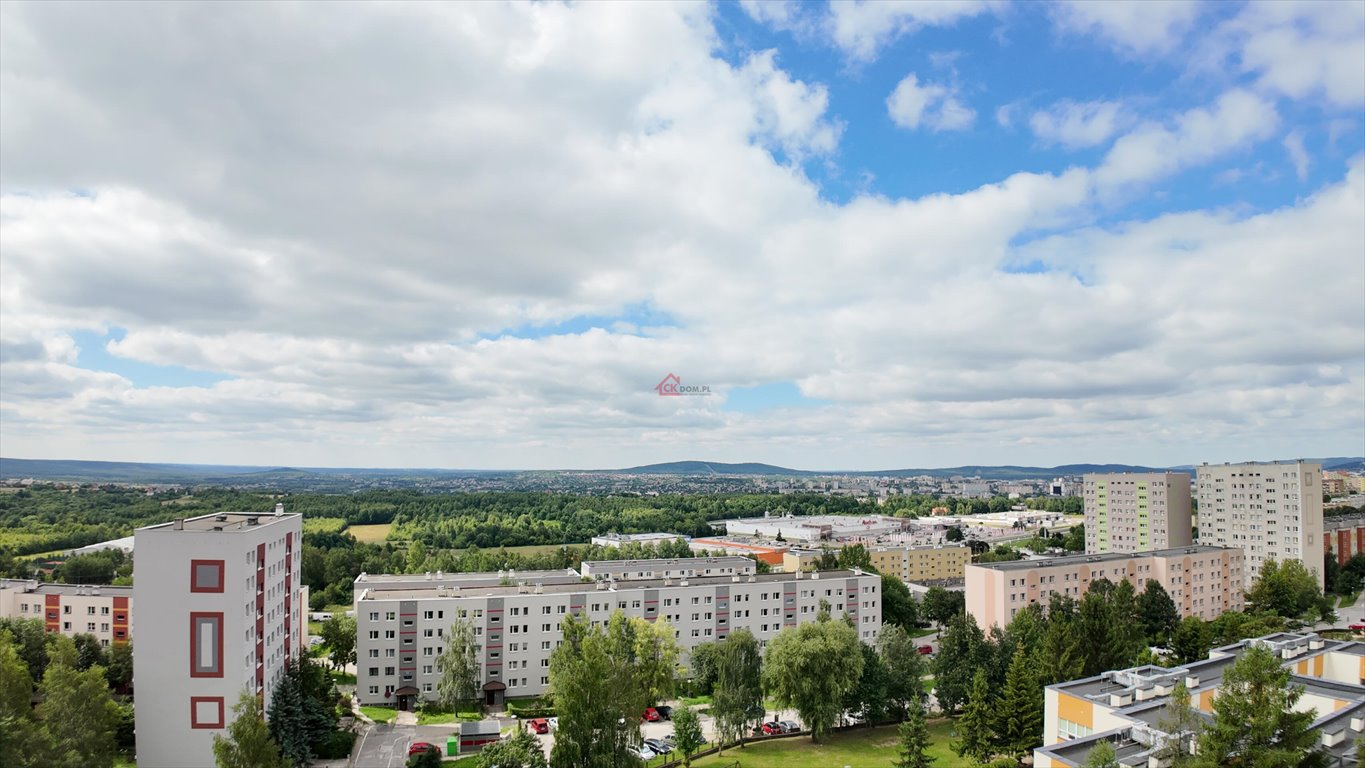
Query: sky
[858,235]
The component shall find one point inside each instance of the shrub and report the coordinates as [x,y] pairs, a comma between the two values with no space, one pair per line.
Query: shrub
[337,746]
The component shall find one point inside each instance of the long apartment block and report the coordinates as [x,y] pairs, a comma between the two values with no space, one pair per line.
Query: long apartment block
[909,563]
[71,609]
[1137,512]
[1129,708]
[401,621]
[1202,581]
[1273,511]
[222,611]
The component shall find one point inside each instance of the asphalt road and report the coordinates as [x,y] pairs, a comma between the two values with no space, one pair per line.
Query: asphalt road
[386,745]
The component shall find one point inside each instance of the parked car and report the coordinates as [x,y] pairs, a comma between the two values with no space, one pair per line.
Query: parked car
[645,753]
[659,746]
[554,723]
[420,747]
[1358,627]
[925,650]
[651,715]
[851,718]
[789,726]
[772,728]
[539,725]
[665,711]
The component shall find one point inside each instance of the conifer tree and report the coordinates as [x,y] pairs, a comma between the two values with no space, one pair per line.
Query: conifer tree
[914,739]
[975,738]
[1019,715]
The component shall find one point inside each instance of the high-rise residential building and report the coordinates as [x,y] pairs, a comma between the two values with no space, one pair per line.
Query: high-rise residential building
[1273,511]
[1129,709]
[220,612]
[402,621]
[1202,581]
[71,609]
[1137,512]
[1343,536]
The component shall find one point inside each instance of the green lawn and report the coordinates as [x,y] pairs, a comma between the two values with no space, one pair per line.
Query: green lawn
[341,678]
[921,631]
[697,701]
[855,748]
[323,524]
[431,714]
[371,534]
[379,714]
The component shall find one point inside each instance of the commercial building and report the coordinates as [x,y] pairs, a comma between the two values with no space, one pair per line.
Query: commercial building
[947,561]
[772,555]
[1129,708]
[222,613]
[401,625]
[617,539]
[71,609]
[814,527]
[1273,511]
[1202,581]
[1343,536]
[1137,512]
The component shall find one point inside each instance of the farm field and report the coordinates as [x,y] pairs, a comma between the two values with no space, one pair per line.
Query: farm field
[371,534]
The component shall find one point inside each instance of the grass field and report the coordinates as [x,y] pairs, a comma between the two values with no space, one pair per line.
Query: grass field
[856,748]
[323,524]
[379,714]
[370,533]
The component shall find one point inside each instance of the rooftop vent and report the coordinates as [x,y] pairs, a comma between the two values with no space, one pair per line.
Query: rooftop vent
[253,520]
[179,524]
[279,509]
[220,518]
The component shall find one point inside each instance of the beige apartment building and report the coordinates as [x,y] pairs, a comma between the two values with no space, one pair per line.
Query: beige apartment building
[947,561]
[1203,581]
[1128,708]
[401,621]
[1272,511]
[1137,512]
[71,609]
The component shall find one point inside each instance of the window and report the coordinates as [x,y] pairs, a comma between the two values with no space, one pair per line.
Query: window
[90,610]
[374,690]
[374,634]
[104,610]
[374,671]
[374,615]
[390,615]
[90,626]
[390,634]
[66,609]
[388,670]
[374,653]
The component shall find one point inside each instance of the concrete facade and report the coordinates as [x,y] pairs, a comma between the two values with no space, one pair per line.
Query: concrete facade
[617,539]
[71,609]
[227,612]
[1137,512]
[400,632]
[667,568]
[1343,536]
[1270,510]
[1202,581]
[1128,708]
[948,561]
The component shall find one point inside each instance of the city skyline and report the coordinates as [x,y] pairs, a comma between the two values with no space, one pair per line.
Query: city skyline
[503,236]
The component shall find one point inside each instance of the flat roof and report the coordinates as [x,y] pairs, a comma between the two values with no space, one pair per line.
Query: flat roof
[432,592]
[224,522]
[45,588]
[1106,557]
[664,562]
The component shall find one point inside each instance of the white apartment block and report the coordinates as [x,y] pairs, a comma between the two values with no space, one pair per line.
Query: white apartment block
[1273,511]
[222,611]
[1202,581]
[1137,512]
[401,622]
[71,609]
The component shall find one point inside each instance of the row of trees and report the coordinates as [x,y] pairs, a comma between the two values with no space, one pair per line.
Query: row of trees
[302,723]
[76,724]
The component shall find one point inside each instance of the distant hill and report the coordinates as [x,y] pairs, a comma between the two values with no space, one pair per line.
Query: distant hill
[708,468]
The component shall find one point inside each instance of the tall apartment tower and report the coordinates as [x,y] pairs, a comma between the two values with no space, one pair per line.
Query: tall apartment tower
[1273,511]
[1137,512]
[219,612]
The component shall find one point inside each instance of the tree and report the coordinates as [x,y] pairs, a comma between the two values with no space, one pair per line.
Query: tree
[76,710]
[687,733]
[1286,589]
[1019,717]
[898,605]
[522,750]
[1158,612]
[961,649]
[593,683]
[1183,722]
[429,758]
[656,658]
[89,652]
[868,696]
[701,664]
[1126,637]
[338,633]
[1075,538]
[248,743]
[975,738]
[855,556]
[1191,640]
[119,673]
[904,669]
[953,534]
[1102,756]
[23,742]
[459,666]
[1254,722]
[738,698]
[940,605]
[811,667]
[914,738]
[1061,656]
[302,710]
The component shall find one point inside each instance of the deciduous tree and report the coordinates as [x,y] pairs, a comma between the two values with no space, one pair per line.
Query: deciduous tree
[899,607]
[76,711]
[904,669]
[522,750]
[961,650]
[811,667]
[1102,755]
[1190,641]
[338,633]
[738,698]
[868,697]
[687,733]
[248,743]
[459,666]
[599,700]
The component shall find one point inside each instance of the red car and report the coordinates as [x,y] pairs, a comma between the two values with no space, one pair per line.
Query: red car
[539,725]
[651,715]
[418,747]
[773,728]
[925,650]
[1358,627]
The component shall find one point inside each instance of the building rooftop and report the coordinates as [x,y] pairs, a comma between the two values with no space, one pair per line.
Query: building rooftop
[43,588]
[226,521]
[1106,557]
[737,561]
[619,587]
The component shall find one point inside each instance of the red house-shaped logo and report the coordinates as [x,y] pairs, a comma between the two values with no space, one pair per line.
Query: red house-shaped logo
[669,386]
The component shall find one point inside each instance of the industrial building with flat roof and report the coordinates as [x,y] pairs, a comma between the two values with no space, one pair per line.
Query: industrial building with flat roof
[401,622]
[1129,708]
[617,539]
[810,528]
[1202,581]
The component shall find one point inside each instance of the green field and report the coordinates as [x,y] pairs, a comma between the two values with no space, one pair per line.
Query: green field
[379,714]
[323,524]
[370,533]
[855,748]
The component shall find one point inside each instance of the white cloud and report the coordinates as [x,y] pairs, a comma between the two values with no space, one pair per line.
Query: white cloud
[935,106]
[1078,125]
[1138,27]
[1302,50]
[860,28]
[1152,150]
[1293,144]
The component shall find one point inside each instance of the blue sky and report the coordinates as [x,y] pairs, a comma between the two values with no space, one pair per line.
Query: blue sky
[885,234]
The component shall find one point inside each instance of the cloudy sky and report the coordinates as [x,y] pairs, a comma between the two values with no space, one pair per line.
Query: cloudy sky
[882,235]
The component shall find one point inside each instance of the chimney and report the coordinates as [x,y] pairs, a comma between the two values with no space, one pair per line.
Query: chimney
[279,509]
[179,524]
